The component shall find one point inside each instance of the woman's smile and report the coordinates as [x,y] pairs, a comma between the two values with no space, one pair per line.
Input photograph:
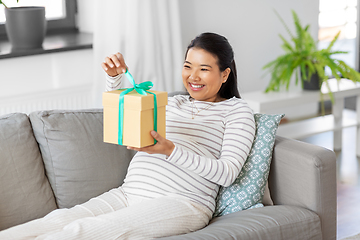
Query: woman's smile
[196,87]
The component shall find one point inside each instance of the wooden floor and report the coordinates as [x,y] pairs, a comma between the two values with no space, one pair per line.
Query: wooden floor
[348,181]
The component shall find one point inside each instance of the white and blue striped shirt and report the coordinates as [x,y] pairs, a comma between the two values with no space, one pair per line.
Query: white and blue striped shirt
[210,150]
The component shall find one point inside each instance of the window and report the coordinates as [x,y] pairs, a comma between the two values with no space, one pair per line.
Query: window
[335,16]
[60,14]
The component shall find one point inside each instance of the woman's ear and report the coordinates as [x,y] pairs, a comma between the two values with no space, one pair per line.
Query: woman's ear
[225,74]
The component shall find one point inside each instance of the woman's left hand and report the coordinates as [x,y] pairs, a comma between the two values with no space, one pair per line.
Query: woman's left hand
[163,146]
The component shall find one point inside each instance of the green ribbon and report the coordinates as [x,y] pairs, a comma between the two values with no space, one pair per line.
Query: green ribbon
[141,89]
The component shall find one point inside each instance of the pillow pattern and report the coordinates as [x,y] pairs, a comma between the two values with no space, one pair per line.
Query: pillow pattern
[248,189]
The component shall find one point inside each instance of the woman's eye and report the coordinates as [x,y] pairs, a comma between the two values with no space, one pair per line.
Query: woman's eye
[204,69]
[186,66]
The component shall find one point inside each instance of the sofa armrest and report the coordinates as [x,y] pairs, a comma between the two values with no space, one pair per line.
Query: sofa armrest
[304,175]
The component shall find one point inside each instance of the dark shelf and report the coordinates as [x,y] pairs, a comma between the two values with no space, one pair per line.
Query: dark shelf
[54,43]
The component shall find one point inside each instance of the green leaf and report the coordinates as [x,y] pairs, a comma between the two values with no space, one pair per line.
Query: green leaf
[283,22]
[334,67]
[302,56]
[296,76]
[331,95]
[320,71]
[349,72]
[286,45]
[338,52]
[3,4]
[333,41]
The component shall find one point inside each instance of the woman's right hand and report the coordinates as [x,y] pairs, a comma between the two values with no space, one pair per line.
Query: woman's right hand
[114,64]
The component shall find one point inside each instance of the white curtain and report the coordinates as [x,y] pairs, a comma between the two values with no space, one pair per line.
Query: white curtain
[147,33]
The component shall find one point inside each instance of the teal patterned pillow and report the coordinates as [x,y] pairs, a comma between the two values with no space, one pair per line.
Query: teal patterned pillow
[247,191]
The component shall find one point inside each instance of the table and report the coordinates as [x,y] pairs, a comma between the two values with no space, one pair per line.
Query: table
[262,102]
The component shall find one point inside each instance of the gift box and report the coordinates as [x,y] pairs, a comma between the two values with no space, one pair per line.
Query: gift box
[136,117]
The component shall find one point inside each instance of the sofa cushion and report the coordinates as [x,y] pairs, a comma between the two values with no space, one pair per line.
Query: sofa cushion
[279,222]
[78,163]
[248,189]
[25,191]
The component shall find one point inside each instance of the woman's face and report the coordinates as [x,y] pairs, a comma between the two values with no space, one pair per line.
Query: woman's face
[201,75]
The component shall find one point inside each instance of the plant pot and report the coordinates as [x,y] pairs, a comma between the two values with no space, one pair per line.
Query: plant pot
[25,27]
[313,84]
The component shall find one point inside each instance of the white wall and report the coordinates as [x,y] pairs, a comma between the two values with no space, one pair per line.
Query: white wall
[85,17]
[43,72]
[251,27]
[25,78]
[50,71]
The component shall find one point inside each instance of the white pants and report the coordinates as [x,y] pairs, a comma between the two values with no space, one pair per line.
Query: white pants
[112,215]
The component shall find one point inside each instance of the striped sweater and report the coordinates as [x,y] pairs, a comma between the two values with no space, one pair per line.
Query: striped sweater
[211,147]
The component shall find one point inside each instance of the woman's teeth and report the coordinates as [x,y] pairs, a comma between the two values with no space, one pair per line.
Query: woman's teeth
[196,85]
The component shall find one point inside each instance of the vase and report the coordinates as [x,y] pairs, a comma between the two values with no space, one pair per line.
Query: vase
[313,83]
[25,27]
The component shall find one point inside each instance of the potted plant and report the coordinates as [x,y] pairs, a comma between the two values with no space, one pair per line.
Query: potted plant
[306,61]
[25,26]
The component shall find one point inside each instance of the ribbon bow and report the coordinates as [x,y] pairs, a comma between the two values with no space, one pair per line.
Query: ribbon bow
[141,89]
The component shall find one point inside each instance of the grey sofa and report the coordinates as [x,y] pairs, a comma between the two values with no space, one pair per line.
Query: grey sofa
[56,159]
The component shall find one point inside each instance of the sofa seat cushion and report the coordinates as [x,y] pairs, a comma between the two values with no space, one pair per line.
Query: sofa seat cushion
[280,222]
[78,163]
[25,193]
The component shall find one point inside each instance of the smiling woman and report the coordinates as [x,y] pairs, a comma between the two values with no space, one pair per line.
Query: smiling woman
[171,186]
[60,14]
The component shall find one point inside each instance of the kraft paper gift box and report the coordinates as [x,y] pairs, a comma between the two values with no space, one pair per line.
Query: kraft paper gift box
[138,117]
